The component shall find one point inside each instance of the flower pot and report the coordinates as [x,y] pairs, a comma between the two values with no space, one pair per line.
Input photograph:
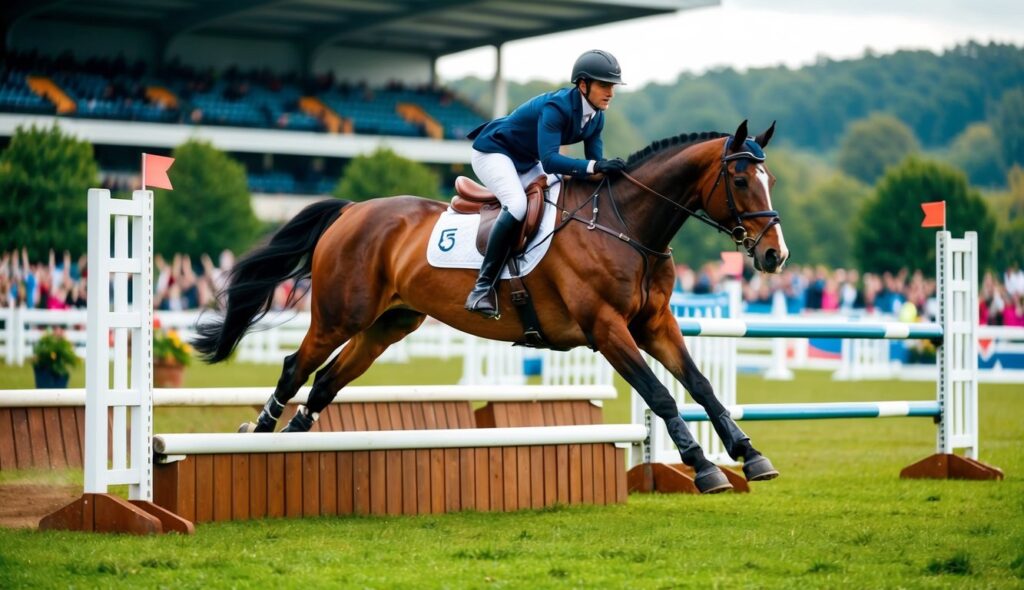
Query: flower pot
[47,379]
[168,374]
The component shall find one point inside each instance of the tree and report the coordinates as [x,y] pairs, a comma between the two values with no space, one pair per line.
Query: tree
[209,209]
[889,235]
[872,144]
[1008,124]
[1009,209]
[976,151]
[44,178]
[826,216]
[384,173]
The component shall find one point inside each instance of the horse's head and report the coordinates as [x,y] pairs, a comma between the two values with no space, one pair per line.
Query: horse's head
[740,199]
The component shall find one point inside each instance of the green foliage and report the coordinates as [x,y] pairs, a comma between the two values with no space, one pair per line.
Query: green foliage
[44,178]
[977,152]
[1009,210]
[889,235]
[168,347]
[1008,124]
[54,353]
[825,217]
[209,209]
[873,144]
[383,174]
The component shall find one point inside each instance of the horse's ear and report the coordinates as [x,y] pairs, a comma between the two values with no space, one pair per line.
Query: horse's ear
[763,139]
[739,137]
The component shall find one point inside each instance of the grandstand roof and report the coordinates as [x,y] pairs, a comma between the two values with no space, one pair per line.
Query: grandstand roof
[429,27]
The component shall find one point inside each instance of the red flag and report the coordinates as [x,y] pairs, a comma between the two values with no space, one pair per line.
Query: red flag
[732,264]
[154,171]
[934,214]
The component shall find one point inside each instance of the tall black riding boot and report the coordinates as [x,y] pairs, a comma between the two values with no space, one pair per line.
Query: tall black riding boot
[483,299]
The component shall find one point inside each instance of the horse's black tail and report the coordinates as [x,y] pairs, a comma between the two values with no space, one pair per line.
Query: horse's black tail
[253,279]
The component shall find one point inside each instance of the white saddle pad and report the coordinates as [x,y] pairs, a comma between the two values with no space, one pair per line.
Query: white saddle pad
[453,241]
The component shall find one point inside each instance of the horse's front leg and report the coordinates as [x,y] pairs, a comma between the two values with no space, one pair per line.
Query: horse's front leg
[662,339]
[617,345]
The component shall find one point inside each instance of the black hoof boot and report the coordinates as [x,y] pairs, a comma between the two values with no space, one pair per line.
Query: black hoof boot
[302,421]
[267,420]
[711,480]
[759,468]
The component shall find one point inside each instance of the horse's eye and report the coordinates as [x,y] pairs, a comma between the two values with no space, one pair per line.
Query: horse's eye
[740,182]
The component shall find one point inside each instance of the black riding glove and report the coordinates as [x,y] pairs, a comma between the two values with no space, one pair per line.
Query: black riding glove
[614,166]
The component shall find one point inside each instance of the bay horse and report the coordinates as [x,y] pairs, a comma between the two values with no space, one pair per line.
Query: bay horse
[605,281]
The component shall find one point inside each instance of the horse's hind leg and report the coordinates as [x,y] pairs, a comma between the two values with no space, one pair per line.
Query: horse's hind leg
[353,361]
[665,343]
[617,345]
[314,350]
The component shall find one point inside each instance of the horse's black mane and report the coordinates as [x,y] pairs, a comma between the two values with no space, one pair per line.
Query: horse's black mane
[681,140]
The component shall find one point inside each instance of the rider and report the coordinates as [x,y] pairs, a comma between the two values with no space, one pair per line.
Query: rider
[512,151]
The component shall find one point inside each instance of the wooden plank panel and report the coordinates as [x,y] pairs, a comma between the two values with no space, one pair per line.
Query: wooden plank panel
[422,458]
[383,416]
[54,441]
[496,478]
[419,422]
[599,477]
[536,477]
[275,485]
[561,419]
[8,456]
[548,410]
[452,477]
[410,492]
[204,488]
[22,442]
[359,417]
[596,414]
[524,489]
[240,486]
[437,498]
[310,484]
[361,482]
[587,474]
[378,482]
[562,459]
[620,475]
[258,485]
[393,481]
[509,473]
[347,420]
[515,414]
[575,474]
[346,479]
[328,462]
[441,416]
[397,418]
[609,474]
[466,417]
[222,487]
[550,476]
[482,486]
[467,479]
[533,414]
[71,436]
[293,485]
[37,435]
[185,503]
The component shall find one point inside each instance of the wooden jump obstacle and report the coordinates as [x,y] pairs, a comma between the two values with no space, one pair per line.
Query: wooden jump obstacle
[418,453]
[955,408]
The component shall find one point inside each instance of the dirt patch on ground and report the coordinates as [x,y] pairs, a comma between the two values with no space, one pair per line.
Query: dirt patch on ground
[22,505]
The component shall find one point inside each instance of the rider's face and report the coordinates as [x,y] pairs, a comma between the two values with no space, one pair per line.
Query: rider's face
[601,93]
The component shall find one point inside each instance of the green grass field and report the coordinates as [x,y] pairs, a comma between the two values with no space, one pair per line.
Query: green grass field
[838,517]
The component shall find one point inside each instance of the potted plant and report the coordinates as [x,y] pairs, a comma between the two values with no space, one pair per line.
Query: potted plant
[170,357]
[54,358]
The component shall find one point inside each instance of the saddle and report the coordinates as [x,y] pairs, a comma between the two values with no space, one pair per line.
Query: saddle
[473,198]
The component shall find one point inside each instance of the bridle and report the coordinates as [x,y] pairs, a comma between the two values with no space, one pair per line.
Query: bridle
[738,233]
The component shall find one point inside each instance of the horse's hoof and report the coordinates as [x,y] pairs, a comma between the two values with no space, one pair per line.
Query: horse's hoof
[759,469]
[711,480]
[246,427]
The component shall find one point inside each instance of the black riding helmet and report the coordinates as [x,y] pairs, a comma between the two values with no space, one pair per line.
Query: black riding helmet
[597,65]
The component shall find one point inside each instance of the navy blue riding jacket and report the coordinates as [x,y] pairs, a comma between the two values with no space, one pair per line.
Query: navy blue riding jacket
[537,128]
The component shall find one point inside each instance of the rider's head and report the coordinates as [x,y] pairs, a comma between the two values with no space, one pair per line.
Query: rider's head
[596,73]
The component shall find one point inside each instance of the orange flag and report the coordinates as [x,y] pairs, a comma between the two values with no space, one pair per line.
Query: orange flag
[934,214]
[154,171]
[732,264]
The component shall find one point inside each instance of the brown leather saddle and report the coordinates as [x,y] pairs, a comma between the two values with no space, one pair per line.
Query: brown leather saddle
[472,198]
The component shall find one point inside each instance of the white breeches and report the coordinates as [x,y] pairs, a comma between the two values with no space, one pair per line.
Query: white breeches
[499,174]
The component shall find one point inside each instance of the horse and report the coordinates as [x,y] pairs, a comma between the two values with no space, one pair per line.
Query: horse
[604,283]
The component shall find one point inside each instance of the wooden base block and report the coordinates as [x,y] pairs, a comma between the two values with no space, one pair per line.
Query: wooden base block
[674,478]
[106,513]
[949,466]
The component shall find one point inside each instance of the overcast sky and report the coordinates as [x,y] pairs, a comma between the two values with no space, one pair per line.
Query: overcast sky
[752,33]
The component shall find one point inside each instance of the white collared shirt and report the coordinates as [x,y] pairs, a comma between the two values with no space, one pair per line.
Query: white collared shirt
[589,113]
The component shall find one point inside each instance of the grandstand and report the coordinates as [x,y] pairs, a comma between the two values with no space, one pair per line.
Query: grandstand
[291,88]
